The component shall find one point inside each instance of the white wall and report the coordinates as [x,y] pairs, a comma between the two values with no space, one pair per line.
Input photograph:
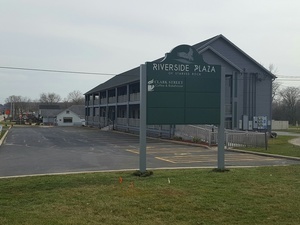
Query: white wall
[280,125]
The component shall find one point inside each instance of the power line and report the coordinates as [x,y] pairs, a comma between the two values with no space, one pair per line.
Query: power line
[280,77]
[56,71]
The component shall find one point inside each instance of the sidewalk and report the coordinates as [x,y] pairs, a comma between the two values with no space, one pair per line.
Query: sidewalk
[295,141]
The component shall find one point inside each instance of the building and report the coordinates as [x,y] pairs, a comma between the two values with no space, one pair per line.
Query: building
[248,87]
[48,113]
[73,116]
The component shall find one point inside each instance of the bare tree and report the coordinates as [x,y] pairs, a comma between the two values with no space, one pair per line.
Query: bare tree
[275,89]
[18,105]
[76,98]
[49,98]
[273,69]
[290,97]
[275,85]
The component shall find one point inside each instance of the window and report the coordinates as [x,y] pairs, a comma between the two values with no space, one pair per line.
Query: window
[68,120]
[67,111]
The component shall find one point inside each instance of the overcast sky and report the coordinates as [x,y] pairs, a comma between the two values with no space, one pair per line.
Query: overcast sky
[114,36]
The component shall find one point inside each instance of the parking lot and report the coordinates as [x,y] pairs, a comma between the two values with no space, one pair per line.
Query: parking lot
[45,150]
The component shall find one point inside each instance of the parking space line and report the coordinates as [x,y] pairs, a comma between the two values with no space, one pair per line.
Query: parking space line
[194,155]
[132,151]
[164,159]
[188,159]
[154,150]
[207,158]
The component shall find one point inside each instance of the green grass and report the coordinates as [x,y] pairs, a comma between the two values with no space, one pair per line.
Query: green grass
[4,129]
[266,195]
[7,122]
[292,130]
[279,146]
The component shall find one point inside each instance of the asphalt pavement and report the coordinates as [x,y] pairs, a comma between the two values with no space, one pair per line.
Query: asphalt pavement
[30,150]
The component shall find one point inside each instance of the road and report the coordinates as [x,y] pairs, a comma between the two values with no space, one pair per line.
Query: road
[44,150]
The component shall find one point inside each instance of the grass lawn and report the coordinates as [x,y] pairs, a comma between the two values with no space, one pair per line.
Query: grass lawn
[279,146]
[266,195]
[4,129]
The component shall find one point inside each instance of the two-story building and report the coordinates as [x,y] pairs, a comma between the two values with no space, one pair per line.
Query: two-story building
[248,87]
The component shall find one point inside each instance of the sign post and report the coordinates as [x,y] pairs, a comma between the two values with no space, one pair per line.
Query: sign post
[143,124]
[221,131]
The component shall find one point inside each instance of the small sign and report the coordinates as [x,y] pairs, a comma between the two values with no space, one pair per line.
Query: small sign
[262,123]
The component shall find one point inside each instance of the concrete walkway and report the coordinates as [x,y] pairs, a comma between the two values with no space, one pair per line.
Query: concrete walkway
[295,141]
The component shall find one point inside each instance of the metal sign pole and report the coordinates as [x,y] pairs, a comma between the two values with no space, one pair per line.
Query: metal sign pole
[221,132]
[143,114]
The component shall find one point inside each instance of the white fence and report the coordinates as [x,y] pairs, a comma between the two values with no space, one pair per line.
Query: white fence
[209,135]
[245,139]
[205,134]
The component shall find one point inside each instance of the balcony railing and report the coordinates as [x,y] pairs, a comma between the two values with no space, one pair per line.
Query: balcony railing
[134,122]
[134,97]
[121,121]
[103,101]
[122,98]
[112,99]
[95,102]
[96,118]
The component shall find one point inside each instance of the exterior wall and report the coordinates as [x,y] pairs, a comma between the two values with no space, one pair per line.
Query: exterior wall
[254,87]
[76,121]
[234,55]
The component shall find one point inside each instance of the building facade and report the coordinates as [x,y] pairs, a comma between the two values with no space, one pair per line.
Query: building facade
[248,87]
[48,113]
[73,116]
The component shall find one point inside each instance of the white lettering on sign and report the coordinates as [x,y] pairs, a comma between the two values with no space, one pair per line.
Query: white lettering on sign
[183,69]
[153,84]
[171,67]
[204,68]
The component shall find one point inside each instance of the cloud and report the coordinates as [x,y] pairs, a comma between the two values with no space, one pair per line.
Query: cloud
[115,36]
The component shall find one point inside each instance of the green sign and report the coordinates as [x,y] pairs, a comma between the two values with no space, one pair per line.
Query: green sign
[183,89]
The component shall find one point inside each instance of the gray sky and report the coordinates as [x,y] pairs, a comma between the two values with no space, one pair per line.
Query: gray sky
[115,36]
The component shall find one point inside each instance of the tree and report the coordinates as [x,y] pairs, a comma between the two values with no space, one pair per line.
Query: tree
[18,105]
[76,98]
[290,97]
[275,89]
[273,69]
[49,98]
[275,85]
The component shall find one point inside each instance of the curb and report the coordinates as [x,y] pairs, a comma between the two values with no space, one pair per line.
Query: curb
[119,170]
[264,154]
